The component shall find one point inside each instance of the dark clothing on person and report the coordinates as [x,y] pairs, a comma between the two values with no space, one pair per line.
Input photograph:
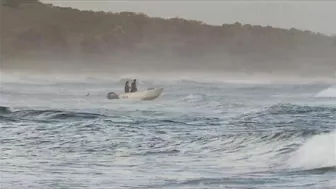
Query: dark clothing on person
[133,87]
[127,88]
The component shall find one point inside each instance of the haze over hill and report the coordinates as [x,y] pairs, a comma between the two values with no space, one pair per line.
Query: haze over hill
[40,36]
[313,15]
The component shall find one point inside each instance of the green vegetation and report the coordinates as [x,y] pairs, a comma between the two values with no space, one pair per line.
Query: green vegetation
[33,30]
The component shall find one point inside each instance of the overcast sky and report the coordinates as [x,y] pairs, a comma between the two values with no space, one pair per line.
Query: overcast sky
[317,16]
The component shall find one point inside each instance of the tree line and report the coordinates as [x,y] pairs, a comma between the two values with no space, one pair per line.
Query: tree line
[34,29]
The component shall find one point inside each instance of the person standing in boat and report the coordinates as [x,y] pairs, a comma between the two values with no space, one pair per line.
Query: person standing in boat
[133,86]
[127,88]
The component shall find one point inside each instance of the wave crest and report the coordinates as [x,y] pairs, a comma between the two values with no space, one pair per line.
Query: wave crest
[14,115]
[287,116]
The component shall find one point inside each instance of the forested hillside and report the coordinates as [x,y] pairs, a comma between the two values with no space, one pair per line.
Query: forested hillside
[32,30]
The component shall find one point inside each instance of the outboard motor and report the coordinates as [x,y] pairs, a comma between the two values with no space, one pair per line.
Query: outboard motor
[112,95]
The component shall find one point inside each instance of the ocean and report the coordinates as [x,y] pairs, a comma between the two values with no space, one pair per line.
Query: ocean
[196,135]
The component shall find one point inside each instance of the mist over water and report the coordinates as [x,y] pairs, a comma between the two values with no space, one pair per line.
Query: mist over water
[109,75]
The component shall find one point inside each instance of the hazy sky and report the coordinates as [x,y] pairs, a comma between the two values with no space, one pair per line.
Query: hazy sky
[318,16]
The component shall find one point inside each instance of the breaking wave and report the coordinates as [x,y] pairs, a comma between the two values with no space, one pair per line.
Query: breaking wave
[317,153]
[327,93]
[296,138]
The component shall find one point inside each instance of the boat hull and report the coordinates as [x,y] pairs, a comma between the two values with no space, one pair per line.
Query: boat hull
[149,94]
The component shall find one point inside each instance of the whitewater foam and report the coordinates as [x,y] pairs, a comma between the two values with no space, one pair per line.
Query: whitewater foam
[317,152]
[330,92]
